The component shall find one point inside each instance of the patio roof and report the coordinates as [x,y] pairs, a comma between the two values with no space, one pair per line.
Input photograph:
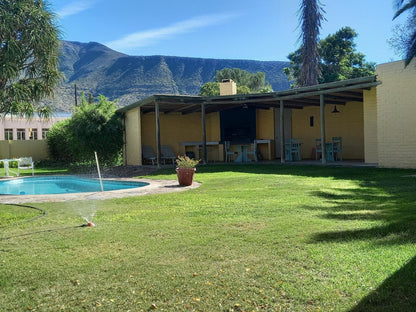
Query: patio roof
[338,93]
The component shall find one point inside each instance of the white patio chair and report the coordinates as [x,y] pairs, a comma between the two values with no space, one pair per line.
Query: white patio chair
[253,150]
[292,150]
[25,163]
[228,152]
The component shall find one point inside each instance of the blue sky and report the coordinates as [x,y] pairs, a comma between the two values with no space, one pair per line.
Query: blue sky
[228,29]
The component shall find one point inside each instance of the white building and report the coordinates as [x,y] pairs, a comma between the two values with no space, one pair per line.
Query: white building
[18,128]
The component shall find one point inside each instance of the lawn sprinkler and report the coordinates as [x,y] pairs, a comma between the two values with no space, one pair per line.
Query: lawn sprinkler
[89,223]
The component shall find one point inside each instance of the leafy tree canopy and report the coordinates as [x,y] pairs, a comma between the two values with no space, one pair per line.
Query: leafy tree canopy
[339,59]
[246,82]
[210,88]
[93,127]
[29,47]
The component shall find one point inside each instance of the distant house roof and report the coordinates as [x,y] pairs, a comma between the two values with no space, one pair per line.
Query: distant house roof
[338,93]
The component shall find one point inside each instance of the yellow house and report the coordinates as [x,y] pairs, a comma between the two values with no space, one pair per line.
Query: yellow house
[373,115]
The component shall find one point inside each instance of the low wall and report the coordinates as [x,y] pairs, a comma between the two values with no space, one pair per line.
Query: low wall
[37,149]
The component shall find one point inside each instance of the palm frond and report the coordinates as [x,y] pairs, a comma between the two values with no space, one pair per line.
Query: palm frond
[401,9]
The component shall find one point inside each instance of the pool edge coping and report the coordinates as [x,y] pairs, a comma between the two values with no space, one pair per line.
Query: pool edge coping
[153,187]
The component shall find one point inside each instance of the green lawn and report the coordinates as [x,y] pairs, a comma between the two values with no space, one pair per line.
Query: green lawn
[28,172]
[251,238]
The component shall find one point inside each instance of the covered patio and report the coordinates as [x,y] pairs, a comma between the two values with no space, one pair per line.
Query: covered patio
[336,94]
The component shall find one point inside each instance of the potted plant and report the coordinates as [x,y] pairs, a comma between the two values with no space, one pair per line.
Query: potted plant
[185,170]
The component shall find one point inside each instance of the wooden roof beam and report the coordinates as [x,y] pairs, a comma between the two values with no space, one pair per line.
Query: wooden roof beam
[327,91]
[331,86]
[146,110]
[180,109]
[241,101]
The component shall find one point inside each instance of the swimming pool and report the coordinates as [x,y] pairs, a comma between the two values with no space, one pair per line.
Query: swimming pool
[62,185]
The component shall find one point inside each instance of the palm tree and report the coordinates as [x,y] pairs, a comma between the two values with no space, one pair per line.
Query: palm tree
[29,50]
[311,15]
[401,7]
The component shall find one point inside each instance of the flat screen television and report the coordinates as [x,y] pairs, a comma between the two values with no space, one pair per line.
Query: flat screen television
[238,125]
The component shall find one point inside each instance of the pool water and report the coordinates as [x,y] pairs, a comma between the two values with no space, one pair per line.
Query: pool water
[61,185]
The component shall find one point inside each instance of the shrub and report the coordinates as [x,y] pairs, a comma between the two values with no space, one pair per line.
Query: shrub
[93,127]
[58,140]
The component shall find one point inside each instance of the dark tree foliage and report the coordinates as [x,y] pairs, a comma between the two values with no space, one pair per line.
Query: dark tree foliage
[339,59]
[94,127]
[29,47]
[311,16]
[210,89]
[59,142]
[254,81]
[410,42]
[246,82]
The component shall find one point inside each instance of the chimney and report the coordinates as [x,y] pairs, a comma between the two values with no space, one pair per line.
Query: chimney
[228,87]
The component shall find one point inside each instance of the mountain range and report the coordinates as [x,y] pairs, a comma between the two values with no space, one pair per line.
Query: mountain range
[97,69]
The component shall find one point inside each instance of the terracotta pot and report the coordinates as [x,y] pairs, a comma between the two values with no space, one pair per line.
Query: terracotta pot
[185,176]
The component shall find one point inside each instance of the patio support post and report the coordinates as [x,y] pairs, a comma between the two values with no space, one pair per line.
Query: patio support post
[124,141]
[204,134]
[323,136]
[158,149]
[282,132]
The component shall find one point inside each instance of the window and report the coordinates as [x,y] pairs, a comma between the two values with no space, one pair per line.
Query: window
[44,133]
[33,134]
[8,134]
[21,134]
[311,121]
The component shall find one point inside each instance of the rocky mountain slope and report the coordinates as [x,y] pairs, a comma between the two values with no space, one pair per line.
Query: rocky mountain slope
[97,69]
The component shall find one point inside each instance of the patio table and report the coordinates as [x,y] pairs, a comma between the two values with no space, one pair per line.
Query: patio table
[242,150]
[197,146]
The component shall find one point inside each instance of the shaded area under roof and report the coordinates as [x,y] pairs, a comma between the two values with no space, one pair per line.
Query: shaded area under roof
[338,93]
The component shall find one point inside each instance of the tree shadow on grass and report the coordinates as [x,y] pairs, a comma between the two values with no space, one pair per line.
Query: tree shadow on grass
[385,196]
[395,214]
[397,293]
[388,199]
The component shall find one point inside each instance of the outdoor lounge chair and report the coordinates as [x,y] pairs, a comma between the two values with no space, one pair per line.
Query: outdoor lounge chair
[24,163]
[167,153]
[148,153]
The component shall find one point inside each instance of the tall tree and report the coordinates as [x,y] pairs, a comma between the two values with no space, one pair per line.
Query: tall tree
[311,16]
[410,43]
[339,59]
[29,47]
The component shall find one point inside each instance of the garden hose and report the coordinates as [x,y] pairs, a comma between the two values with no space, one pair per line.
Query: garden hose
[43,213]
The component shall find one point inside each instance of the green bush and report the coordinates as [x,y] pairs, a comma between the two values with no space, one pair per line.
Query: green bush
[58,140]
[94,127]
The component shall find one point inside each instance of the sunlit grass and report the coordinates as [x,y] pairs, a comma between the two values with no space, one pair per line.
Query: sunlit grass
[251,238]
[42,170]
